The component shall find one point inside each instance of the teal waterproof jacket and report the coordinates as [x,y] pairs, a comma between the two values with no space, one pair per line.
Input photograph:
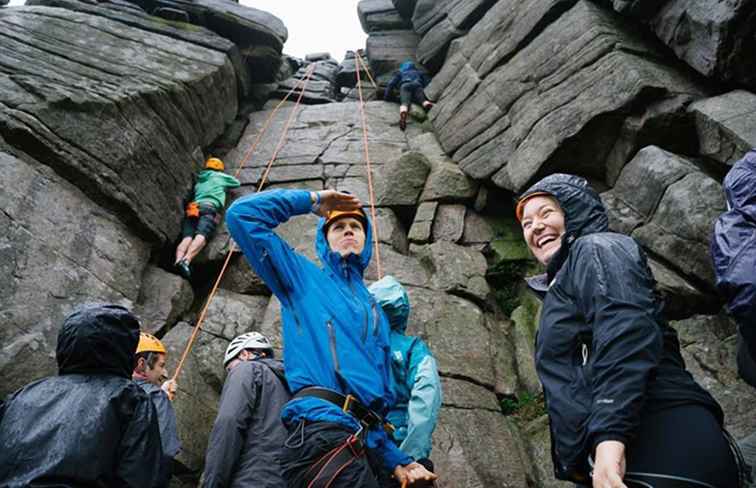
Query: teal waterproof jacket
[335,334]
[417,385]
[211,187]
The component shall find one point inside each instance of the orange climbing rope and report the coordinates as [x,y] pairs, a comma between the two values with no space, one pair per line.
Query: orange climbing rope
[302,85]
[371,193]
[367,69]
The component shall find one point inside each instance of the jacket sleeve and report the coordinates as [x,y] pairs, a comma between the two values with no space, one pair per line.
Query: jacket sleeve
[378,441]
[230,181]
[424,403]
[615,295]
[391,85]
[140,454]
[230,429]
[167,421]
[251,221]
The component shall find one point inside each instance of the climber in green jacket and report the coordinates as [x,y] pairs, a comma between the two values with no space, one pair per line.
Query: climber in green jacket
[203,213]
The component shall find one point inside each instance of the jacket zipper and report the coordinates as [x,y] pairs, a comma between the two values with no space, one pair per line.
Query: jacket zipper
[332,342]
[345,268]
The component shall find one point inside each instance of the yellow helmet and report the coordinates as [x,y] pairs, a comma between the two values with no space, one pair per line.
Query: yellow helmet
[335,215]
[214,163]
[149,343]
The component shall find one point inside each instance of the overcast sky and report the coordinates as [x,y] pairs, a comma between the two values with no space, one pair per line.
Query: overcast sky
[314,26]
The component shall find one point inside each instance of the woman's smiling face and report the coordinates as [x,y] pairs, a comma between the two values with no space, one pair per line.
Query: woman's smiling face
[543,226]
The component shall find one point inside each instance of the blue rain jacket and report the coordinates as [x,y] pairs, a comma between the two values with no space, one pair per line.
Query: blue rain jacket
[417,386]
[408,73]
[334,333]
[733,247]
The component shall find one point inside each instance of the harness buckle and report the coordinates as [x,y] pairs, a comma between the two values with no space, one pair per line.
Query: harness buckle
[347,403]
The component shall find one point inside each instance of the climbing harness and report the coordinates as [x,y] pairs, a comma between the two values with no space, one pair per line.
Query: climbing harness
[192,210]
[302,85]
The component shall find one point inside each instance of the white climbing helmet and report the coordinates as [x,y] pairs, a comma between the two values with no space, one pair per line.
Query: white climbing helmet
[250,340]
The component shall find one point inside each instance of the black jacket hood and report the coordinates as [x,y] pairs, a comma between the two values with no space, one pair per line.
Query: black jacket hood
[98,339]
[583,209]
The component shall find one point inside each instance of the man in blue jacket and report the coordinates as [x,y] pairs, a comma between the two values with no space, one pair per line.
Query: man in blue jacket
[337,341]
[411,82]
[417,384]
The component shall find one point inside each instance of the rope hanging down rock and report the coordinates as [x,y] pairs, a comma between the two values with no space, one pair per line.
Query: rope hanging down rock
[302,85]
[369,169]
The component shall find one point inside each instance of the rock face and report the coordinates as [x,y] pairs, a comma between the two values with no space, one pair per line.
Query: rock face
[106,111]
[525,117]
[710,36]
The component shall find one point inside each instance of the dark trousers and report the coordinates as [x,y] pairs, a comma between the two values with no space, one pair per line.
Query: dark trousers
[306,447]
[411,92]
[680,447]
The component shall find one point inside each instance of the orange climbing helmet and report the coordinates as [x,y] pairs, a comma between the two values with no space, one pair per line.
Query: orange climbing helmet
[214,163]
[335,215]
[149,343]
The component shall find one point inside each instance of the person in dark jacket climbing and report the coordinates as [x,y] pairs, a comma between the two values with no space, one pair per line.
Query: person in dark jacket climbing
[203,213]
[417,385]
[150,374]
[733,250]
[336,338]
[411,82]
[622,408]
[90,425]
[248,434]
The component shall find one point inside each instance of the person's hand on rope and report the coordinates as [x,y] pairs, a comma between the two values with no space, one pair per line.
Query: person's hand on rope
[327,200]
[609,468]
[169,387]
[409,474]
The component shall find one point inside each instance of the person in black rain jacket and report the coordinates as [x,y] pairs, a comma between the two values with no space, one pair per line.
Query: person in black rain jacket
[90,425]
[623,410]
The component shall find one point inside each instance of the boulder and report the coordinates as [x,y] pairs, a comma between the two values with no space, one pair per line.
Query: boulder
[726,125]
[681,297]
[58,249]
[523,334]
[681,228]
[390,230]
[387,50]
[464,394]
[641,186]
[407,269]
[713,37]
[446,182]
[259,35]
[163,299]
[457,333]
[477,231]
[347,75]
[405,7]
[124,129]
[539,447]
[401,181]
[455,269]
[198,394]
[449,224]
[525,118]
[380,15]
[709,348]
[477,448]
[441,22]
[320,78]
[421,230]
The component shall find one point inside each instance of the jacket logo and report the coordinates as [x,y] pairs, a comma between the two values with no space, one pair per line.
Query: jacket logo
[605,401]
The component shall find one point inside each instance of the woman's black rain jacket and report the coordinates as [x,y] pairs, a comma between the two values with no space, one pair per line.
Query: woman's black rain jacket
[604,353]
[91,425]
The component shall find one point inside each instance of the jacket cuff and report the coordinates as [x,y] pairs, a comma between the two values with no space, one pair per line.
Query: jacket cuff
[301,201]
[607,436]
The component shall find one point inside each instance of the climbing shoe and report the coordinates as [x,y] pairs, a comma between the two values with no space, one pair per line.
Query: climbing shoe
[403,120]
[183,269]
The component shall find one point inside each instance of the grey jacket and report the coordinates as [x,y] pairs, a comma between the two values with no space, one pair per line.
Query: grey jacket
[166,418]
[248,433]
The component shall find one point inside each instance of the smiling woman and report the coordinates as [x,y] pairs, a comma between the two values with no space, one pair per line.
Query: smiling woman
[623,410]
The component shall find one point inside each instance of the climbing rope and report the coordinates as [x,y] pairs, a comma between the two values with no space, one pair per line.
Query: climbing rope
[303,84]
[371,193]
[358,56]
